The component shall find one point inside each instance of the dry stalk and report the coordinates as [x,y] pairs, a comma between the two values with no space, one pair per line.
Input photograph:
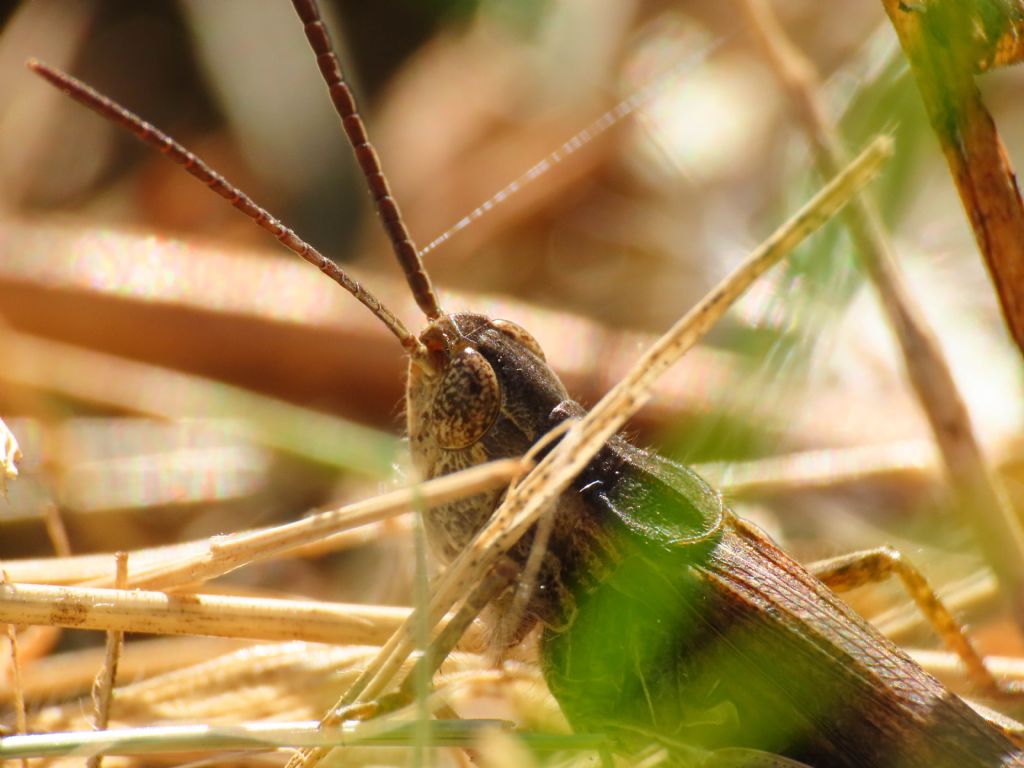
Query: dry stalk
[981,499]
[56,531]
[103,688]
[826,468]
[249,736]
[230,552]
[280,681]
[226,553]
[258,618]
[20,715]
[68,673]
[35,643]
[206,559]
[98,570]
[275,681]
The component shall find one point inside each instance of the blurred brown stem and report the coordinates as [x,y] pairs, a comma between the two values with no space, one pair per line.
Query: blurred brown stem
[980,498]
[103,686]
[946,43]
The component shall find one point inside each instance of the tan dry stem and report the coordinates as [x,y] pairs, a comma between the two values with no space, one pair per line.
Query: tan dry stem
[206,559]
[69,673]
[20,714]
[98,570]
[55,530]
[981,499]
[912,460]
[226,553]
[103,686]
[198,614]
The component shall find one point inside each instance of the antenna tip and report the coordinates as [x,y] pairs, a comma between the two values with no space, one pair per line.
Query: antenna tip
[43,70]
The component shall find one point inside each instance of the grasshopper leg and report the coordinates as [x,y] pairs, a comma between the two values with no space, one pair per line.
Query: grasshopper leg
[874,565]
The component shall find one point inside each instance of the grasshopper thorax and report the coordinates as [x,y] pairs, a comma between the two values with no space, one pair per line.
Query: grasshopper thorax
[486,394]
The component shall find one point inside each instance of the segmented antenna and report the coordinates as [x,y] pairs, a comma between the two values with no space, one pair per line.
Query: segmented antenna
[605,122]
[151,135]
[345,105]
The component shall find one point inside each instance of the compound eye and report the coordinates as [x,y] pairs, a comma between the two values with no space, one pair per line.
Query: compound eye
[467,401]
[519,334]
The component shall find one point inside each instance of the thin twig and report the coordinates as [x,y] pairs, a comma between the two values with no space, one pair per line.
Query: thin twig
[227,553]
[947,42]
[56,530]
[260,618]
[981,499]
[20,715]
[70,672]
[203,560]
[103,688]
[97,570]
[828,468]
[262,735]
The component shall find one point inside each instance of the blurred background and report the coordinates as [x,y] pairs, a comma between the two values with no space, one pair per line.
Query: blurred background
[170,373]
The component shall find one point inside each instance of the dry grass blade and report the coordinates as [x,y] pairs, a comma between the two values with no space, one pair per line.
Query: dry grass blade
[527,501]
[103,688]
[226,553]
[982,501]
[98,570]
[21,716]
[63,675]
[827,468]
[198,614]
[180,738]
[946,43]
[195,562]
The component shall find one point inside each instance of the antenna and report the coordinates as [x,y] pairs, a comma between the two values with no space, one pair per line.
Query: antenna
[167,146]
[605,122]
[345,105]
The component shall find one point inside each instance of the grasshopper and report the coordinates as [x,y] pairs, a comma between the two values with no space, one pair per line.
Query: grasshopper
[665,618]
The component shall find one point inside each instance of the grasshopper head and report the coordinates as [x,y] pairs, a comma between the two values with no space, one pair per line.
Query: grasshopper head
[486,394]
